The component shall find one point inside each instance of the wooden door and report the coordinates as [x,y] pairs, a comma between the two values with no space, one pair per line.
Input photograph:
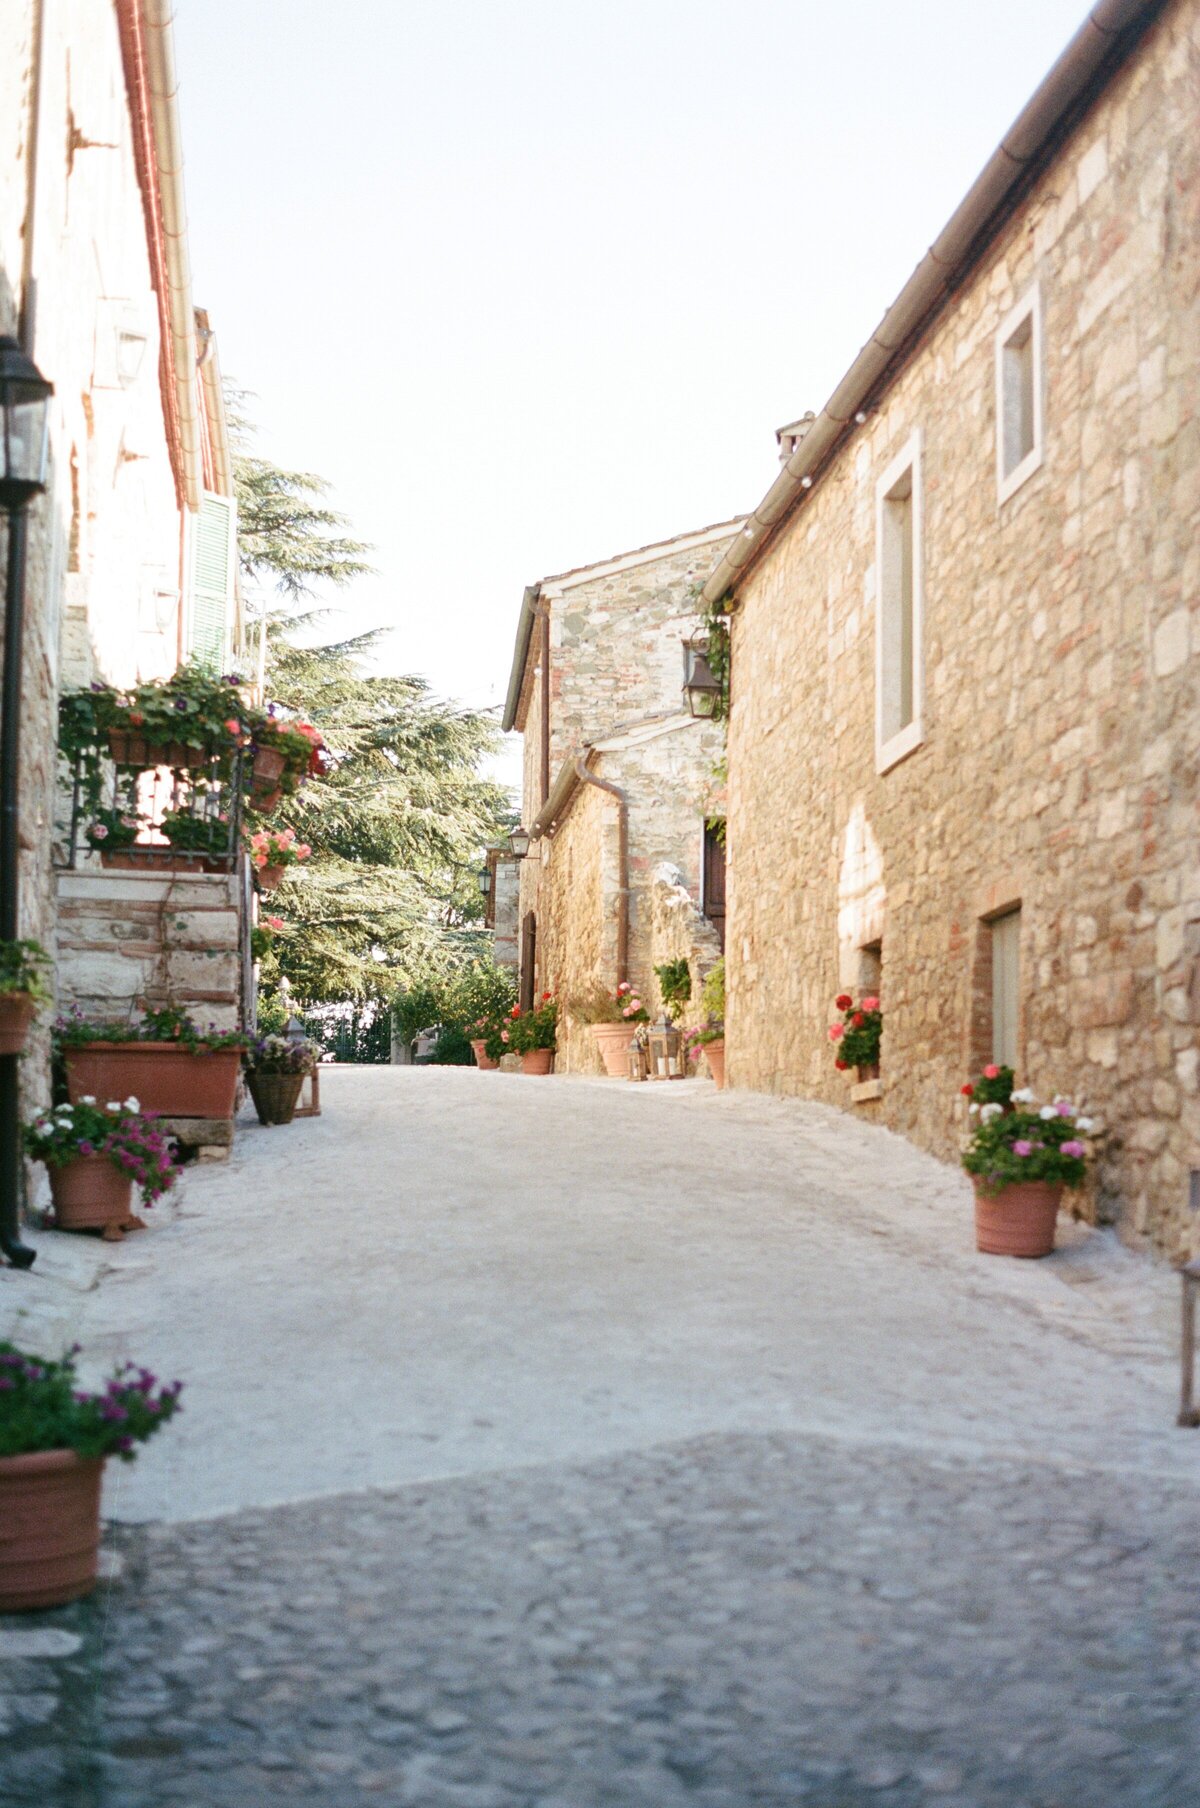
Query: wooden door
[714,878]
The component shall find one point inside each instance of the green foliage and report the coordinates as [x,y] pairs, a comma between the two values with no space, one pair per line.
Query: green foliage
[477,995]
[272,1014]
[712,992]
[45,1409]
[716,825]
[535,1028]
[414,1010]
[675,983]
[452,1048]
[714,628]
[74,1030]
[194,832]
[857,1039]
[360,1034]
[1014,1139]
[23,967]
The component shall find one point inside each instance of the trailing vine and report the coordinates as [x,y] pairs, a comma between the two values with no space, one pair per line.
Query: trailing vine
[714,625]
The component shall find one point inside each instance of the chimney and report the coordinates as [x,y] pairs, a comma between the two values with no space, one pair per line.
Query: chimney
[789,437]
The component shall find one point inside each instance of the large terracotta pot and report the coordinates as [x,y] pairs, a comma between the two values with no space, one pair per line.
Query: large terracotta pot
[1018,1220]
[267,769]
[613,1040]
[268,877]
[715,1051]
[17,1012]
[90,1193]
[479,1050]
[163,1076]
[49,1528]
[275,1095]
[537,1061]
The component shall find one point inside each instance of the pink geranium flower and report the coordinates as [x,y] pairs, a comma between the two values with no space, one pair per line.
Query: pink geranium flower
[1022,1147]
[836,1031]
[1073,1148]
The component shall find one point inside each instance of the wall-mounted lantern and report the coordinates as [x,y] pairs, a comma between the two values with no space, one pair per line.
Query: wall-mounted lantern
[665,1051]
[24,426]
[519,841]
[484,876]
[699,686]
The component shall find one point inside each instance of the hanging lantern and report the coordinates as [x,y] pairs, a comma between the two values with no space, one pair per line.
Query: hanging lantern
[665,1051]
[518,841]
[700,687]
[484,876]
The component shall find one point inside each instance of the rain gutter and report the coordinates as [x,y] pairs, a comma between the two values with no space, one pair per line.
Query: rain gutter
[1097,50]
[516,678]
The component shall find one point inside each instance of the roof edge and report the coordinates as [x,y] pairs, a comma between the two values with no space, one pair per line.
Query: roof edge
[1099,48]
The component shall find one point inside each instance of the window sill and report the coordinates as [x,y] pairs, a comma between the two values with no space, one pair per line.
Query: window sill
[1019,475]
[865,1091]
[899,747]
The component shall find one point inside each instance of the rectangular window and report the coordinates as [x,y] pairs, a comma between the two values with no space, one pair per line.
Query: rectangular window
[898,608]
[1019,394]
[1006,986]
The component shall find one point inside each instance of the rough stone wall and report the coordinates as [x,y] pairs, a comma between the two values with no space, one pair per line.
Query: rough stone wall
[1061,703]
[680,931]
[124,939]
[505,906]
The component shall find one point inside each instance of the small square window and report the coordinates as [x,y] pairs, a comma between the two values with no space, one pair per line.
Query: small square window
[1019,395]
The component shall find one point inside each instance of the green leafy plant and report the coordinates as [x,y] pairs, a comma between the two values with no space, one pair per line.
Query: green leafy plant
[1014,1139]
[452,1048]
[74,1030]
[533,1029]
[43,1407]
[196,832]
[130,1140]
[111,828]
[858,1036]
[712,992]
[23,967]
[675,983]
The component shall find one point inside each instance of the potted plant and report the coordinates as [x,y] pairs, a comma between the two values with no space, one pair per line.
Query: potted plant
[285,754]
[612,1018]
[275,1069]
[710,1038]
[262,936]
[675,983]
[532,1034]
[112,832]
[272,851]
[858,1035]
[166,1060]
[54,1439]
[22,989]
[484,1029]
[201,833]
[95,1154]
[1020,1156]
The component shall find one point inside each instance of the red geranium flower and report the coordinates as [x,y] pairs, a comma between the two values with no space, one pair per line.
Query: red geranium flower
[516,1011]
[842,1064]
[843,1001]
[858,1020]
[546,996]
[968,1091]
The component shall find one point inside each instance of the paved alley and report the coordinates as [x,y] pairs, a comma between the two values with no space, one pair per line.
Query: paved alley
[566,1442]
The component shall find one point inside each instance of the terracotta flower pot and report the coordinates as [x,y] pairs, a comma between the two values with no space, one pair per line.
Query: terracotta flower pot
[90,1193]
[537,1061]
[268,877]
[164,1077]
[263,801]
[868,1070]
[17,1012]
[1018,1220]
[267,769]
[151,857]
[128,748]
[479,1050]
[275,1095]
[49,1528]
[613,1040]
[715,1052]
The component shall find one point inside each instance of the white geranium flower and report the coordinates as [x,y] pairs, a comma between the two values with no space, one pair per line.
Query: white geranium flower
[131,1104]
[1085,1123]
[89,1098]
[972,1108]
[1047,1112]
[990,1111]
[1023,1096]
[113,1105]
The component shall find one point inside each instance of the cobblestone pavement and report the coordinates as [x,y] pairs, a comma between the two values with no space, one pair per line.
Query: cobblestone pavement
[562,1444]
[728,1621]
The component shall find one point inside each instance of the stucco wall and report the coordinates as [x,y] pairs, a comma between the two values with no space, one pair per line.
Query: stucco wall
[1061,703]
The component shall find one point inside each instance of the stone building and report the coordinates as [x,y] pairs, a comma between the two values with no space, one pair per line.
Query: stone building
[965,629]
[618,780]
[132,561]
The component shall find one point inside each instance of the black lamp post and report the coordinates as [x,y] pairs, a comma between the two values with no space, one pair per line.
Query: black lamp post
[699,685]
[24,424]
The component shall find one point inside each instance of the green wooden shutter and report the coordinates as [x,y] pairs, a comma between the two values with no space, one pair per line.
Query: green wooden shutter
[214,547]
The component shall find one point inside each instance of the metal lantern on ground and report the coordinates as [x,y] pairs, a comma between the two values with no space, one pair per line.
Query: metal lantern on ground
[519,841]
[665,1046]
[309,1106]
[700,687]
[24,426]
[638,1065]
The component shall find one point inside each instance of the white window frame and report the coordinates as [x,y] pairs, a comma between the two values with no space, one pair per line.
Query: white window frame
[1028,308]
[910,737]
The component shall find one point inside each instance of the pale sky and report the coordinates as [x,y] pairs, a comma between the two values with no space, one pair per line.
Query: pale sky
[534,283]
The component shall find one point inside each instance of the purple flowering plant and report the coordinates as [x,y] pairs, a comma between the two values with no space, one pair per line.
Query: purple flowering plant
[117,1129]
[74,1030]
[1014,1138]
[42,1407]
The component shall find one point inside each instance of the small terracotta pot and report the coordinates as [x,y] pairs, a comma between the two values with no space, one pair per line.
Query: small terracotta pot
[613,1041]
[1019,1220]
[537,1061]
[275,1095]
[90,1193]
[163,1076]
[479,1050]
[268,877]
[868,1070]
[264,801]
[49,1528]
[17,1012]
[715,1053]
[267,769]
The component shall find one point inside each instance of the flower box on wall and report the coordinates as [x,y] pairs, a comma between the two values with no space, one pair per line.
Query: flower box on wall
[165,1077]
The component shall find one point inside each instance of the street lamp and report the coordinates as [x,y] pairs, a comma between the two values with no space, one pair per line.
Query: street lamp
[24,423]
[484,876]
[519,841]
[700,687]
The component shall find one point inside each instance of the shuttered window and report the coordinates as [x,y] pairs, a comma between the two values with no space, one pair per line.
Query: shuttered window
[1006,986]
[214,564]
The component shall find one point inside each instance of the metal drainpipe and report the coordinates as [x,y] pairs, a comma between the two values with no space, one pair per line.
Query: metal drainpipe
[545,736]
[588,777]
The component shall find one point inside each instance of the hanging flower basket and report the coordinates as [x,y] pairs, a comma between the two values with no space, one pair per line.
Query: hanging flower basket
[129,749]
[17,1012]
[268,878]
[268,769]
